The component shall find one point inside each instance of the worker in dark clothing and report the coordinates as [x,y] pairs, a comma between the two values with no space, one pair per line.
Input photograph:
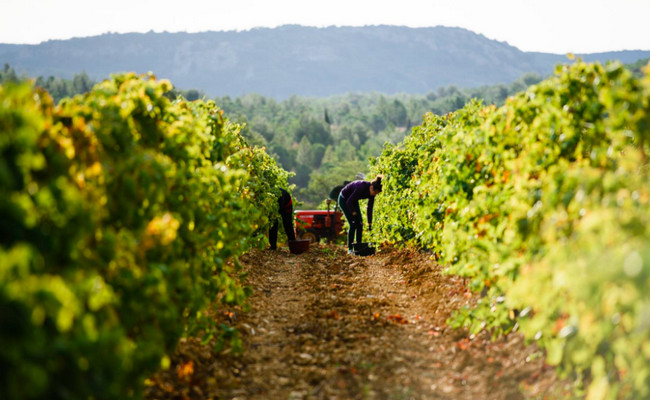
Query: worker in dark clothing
[349,203]
[285,204]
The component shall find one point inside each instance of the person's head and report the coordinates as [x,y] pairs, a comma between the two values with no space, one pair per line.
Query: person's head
[375,186]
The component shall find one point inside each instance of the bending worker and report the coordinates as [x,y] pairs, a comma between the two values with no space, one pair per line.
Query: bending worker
[349,203]
[285,204]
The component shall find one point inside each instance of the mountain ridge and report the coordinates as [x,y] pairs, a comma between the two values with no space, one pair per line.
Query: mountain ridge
[297,60]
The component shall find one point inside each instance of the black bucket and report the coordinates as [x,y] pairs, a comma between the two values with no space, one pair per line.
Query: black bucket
[363,249]
[298,246]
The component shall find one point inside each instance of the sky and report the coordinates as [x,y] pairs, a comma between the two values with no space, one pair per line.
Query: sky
[552,26]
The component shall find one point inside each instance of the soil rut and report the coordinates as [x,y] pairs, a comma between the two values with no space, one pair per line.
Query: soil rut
[328,325]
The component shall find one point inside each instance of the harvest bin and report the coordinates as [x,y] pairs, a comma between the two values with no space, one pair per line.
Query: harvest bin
[363,249]
[298,246]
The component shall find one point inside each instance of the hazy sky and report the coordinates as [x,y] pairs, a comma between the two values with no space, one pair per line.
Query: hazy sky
[556,26]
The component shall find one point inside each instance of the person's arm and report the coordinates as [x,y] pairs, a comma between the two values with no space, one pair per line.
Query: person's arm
[371,204]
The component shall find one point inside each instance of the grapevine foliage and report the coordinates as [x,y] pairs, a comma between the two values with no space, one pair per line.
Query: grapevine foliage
[544,205]
[122,215]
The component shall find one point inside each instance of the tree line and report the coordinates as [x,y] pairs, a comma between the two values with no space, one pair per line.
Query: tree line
[325,141]
[81,83]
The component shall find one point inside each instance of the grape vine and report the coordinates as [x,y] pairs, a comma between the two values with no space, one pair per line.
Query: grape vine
[122,215]
[543,204]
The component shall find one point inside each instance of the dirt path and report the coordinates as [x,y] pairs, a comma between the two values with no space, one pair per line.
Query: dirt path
[327,325]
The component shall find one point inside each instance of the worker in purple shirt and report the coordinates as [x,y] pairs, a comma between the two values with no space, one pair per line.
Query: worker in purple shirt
[349,203]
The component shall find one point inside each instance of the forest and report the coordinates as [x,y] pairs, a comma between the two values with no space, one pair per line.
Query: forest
[322,141]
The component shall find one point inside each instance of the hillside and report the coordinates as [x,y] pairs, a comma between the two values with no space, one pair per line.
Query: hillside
[292,59]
